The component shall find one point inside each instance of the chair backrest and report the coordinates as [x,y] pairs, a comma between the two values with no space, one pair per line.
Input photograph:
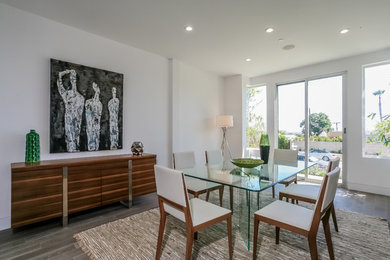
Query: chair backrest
[333,163]
[171,187]
[285,156]
[331,187]
[325,196]
[214,157]
[183,160]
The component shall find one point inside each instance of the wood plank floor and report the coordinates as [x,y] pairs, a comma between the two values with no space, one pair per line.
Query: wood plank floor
[49,240]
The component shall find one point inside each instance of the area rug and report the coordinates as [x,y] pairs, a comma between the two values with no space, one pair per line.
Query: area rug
[135,237]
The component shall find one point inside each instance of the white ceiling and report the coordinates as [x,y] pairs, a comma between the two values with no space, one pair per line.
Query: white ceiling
[226,32]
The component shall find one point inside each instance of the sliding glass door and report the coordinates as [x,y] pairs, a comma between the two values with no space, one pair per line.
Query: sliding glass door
[326,118]
[291,110]
[310,121]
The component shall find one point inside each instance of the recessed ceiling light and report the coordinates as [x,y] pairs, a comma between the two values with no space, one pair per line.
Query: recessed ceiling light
[248,59]
[344,31]
[188,28]
[269,30]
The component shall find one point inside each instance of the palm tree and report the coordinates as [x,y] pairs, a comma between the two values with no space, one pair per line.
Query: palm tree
[379,93]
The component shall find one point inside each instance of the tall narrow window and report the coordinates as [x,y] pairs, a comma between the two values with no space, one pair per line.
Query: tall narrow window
[377,111]
[256,118]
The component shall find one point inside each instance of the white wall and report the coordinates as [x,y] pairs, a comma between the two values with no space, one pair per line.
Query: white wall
[28,42]
[366,174]
[234,104]
[197,100]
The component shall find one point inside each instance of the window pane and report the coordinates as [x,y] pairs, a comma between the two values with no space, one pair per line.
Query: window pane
[256,118]
[377,111]
[291,99]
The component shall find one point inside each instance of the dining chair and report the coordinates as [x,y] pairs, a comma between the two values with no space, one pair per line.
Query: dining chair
[195,213]
[214,157]
[292,217]
[287,157]
[185,160]
[309,193]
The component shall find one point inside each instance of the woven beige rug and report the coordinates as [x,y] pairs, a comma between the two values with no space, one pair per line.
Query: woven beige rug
[135,237]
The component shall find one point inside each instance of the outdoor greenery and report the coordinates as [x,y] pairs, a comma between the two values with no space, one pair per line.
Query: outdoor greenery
[382,128]
[317,171]
[255,123]
[283,142]
[320,138]
[319,122]
[382,131]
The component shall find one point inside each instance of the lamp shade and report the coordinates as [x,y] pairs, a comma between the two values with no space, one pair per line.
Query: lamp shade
[225,121]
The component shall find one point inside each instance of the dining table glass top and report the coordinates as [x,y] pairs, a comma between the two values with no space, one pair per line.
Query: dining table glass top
[251,179]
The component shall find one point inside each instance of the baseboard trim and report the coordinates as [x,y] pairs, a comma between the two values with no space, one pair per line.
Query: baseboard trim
[5,223]
[369,188]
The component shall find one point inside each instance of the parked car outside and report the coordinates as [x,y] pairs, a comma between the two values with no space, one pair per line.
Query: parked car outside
[321,154]
[316,155]
[301,157]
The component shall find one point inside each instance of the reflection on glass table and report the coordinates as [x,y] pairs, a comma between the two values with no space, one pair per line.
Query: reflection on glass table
[245,182]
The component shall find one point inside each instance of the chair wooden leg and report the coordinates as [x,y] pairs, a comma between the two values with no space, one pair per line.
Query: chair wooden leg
[190,240]
[230,238]
[231,197]
[328,236]
[258,200]
[255,235]
[273,191]
[281,196]
[208,195]
[196,235]
[163,217]
[336,227]
[292,201]
[221,195]
[313,247]
[277,231]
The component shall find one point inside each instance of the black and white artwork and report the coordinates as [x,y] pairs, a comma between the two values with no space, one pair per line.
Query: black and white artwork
[85,108]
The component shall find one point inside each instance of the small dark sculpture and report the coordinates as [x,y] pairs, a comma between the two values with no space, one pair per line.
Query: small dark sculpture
[137,148]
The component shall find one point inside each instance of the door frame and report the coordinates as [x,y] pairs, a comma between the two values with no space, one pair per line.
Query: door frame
[343,75]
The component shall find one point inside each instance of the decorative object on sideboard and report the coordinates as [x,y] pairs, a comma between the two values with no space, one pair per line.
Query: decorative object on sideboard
[264,147]
[85,108]
[224,122]
[137,148]
[32,147]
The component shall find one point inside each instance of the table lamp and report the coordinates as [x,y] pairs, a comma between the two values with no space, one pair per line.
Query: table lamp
[225,121]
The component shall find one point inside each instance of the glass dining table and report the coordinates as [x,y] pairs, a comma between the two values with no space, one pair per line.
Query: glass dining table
[244,183]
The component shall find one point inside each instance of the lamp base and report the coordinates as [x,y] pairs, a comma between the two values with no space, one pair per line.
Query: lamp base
[225,143]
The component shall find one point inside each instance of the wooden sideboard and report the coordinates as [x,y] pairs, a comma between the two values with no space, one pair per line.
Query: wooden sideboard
[56,188]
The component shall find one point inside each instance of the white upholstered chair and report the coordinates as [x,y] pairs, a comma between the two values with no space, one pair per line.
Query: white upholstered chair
[287,157]
[214,157]
[309,193]
[185,160]
[284,215]
[195,213]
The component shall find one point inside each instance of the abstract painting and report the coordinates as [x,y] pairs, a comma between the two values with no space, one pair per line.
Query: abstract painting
[86,106]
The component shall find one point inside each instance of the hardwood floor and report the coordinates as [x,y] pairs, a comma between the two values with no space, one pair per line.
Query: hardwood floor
[49,240]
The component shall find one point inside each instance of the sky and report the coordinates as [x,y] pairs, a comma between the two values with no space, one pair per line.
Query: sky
[325,95]
[376,78]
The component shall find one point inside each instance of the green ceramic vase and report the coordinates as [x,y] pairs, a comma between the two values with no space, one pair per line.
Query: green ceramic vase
[264,147]
[32,147]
